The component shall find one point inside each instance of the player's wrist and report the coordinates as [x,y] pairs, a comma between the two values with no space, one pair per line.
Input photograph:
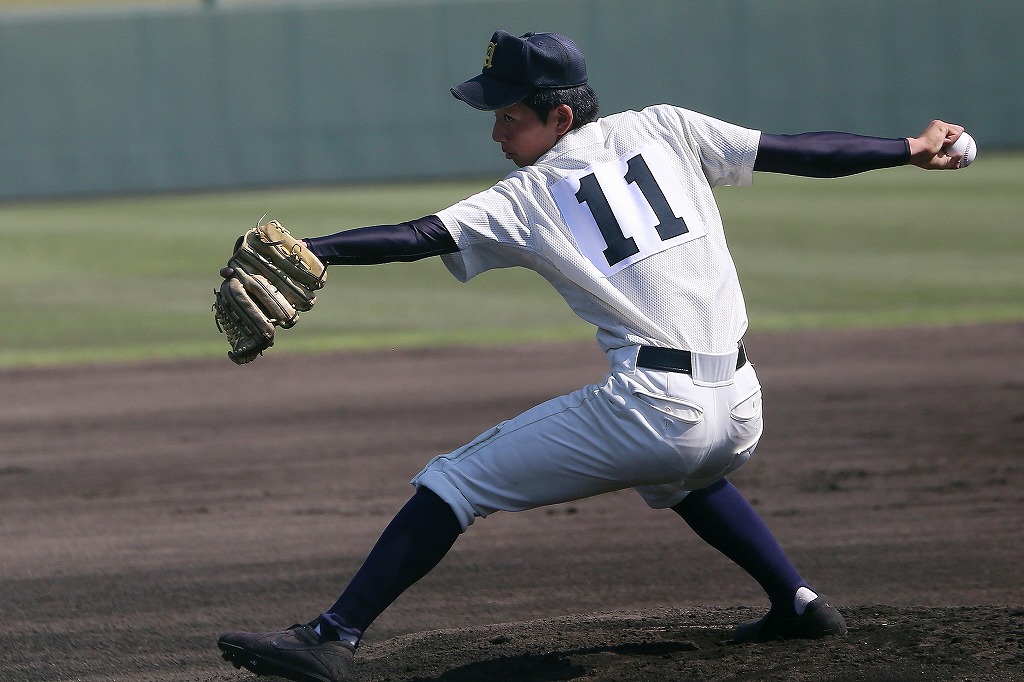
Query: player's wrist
[922,152]
[915,146]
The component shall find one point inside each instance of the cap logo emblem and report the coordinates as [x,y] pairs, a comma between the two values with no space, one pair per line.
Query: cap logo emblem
[489,57]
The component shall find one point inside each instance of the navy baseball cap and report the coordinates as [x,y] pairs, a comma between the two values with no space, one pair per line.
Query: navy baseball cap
[515,67]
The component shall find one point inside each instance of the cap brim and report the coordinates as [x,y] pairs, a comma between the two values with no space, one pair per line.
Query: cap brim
[489,94]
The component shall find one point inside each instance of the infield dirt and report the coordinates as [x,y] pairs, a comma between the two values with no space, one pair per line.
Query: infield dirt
[146,509]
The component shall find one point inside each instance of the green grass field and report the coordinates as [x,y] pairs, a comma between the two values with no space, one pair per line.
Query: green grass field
[133,278]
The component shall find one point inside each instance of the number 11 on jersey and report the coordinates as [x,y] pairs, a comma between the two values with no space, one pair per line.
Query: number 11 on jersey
[621,212]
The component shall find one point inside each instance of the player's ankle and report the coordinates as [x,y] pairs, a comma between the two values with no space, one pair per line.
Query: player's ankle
[804,596]
[329,630]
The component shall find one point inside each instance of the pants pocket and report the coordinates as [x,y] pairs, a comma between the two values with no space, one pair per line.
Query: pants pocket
[676,408]
[745,420]
[747,408]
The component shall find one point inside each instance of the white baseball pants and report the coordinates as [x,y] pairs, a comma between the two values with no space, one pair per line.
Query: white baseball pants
[662,433]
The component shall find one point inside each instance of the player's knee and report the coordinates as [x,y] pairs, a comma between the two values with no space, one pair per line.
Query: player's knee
[450,495]
[443,519]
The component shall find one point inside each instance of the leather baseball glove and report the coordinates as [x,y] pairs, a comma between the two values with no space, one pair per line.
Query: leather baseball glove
[269,278]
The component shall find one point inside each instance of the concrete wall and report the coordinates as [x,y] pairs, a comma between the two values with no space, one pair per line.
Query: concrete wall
[225,95]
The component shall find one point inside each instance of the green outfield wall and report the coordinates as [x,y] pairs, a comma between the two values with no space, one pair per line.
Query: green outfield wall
[229,95]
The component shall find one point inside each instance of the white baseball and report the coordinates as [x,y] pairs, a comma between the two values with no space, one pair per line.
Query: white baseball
[965,145]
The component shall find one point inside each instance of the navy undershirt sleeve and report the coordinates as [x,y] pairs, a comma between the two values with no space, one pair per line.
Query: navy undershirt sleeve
[829,154]
[821,155]
[408,241]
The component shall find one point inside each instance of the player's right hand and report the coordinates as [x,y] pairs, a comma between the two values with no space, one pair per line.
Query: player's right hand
[926,149]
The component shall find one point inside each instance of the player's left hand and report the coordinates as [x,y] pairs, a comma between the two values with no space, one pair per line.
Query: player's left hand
[929,149]
[270,277]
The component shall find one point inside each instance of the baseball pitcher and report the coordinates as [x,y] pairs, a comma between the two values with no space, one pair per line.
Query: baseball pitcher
[618,214]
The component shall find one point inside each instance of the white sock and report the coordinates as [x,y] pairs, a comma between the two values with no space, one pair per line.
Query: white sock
[802,598]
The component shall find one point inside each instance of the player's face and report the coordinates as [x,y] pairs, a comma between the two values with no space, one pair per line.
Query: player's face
[522,135]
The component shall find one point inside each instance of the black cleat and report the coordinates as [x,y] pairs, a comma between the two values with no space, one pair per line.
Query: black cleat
[297,654]
[820,619]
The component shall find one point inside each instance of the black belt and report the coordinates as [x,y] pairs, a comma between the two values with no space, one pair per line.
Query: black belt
[672,360]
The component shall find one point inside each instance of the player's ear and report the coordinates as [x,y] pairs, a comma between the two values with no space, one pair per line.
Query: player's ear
[563,118]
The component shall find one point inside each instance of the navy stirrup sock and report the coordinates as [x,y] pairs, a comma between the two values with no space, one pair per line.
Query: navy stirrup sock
[413,543]
[723,518]
[425,529]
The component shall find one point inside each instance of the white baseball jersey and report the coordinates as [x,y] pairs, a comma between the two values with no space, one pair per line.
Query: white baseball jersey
[620,218]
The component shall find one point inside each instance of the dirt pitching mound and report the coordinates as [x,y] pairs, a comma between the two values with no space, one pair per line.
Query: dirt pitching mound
[884,643]
[147,509]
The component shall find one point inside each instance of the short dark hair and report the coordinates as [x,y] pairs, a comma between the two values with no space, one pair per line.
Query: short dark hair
[581,99]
